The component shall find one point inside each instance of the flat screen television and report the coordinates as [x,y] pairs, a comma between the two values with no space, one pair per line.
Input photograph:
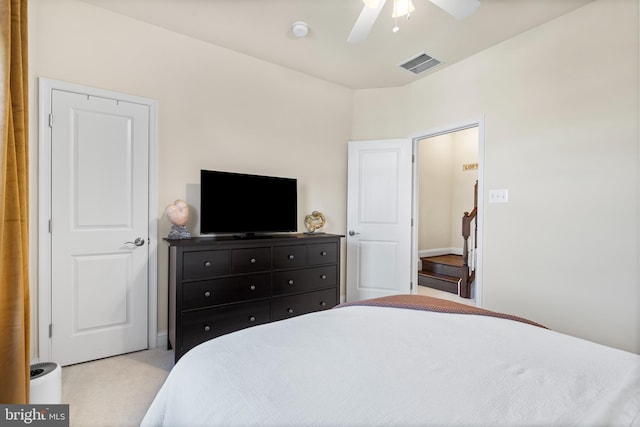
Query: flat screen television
[247,205]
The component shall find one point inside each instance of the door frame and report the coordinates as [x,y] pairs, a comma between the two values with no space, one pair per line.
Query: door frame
[45,86]
[429,133]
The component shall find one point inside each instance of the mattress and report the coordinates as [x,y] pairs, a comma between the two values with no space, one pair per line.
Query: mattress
[373,365]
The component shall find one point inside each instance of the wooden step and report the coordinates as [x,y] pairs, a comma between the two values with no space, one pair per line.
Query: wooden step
[448,265]
[437,281]
[441,272]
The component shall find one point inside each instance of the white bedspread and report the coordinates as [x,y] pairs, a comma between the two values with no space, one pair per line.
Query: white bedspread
[375,366]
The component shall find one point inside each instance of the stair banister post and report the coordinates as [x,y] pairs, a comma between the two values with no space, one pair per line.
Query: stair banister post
[466,232]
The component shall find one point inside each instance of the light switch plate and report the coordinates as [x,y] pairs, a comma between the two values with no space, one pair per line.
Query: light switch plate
[499,196]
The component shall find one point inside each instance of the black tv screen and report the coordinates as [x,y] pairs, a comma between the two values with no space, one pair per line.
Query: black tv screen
[235,203]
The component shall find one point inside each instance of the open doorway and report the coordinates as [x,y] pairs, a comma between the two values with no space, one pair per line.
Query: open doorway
[446,245]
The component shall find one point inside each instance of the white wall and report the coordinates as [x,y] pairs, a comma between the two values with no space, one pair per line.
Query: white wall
[560,104]
[465,151]
[217,109]
[435,159]
[445,189]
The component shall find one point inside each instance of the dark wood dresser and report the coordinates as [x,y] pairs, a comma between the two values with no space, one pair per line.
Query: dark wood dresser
[219,285]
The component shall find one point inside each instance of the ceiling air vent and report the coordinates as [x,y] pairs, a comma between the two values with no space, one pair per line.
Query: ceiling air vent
[420,63]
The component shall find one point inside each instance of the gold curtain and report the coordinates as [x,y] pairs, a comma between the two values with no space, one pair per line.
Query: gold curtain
[14,190]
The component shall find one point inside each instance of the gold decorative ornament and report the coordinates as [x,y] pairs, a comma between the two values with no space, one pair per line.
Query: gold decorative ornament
[314,222]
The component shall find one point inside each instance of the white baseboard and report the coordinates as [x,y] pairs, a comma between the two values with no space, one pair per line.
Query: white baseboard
[162,340]
[439,251]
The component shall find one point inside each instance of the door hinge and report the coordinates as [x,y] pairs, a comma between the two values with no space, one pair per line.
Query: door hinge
[411,286]
[49,226]
[50,120]
[50,330]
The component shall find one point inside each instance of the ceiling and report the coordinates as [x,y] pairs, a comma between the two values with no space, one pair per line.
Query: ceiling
[262,29]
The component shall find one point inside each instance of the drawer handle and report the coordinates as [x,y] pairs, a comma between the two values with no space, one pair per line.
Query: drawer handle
[252,319]
[323,276]
[253,261]
[323,253]
[290,310]
[207,294]
[290,281]
[207,328]
[207,263]
[323,304]
[252,287]
[291,256]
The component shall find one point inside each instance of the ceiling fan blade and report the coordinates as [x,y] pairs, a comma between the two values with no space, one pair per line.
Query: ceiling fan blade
[459,9]
[365,22]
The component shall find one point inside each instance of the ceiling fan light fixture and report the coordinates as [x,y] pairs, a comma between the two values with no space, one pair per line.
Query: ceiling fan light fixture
[402,8]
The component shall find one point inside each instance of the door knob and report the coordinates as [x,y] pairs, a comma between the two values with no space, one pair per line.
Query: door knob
[352,233]
[138,242]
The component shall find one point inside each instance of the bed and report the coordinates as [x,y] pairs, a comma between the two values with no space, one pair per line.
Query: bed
[400,361]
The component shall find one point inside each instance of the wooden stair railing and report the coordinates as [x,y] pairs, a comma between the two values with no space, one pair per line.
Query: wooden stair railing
[469,273]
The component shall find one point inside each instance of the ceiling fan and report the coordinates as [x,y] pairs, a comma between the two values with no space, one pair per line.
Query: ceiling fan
[459,9]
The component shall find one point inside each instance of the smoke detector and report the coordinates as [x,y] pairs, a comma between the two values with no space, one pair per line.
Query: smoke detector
[300,29]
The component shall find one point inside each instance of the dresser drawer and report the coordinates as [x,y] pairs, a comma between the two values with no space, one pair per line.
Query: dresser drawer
[294,305]
[202,325]
[225,290]
[322,253]
[205,264]
[306,279]
[222,284]
[289,256]
[250,260]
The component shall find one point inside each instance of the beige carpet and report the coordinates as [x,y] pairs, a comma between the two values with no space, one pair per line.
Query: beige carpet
[424,290]
[115,391]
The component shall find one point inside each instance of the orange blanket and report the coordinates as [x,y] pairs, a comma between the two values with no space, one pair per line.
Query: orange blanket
[421,302]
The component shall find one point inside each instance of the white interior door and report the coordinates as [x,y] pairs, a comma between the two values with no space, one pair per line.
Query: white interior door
[379,196]
[99,226]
